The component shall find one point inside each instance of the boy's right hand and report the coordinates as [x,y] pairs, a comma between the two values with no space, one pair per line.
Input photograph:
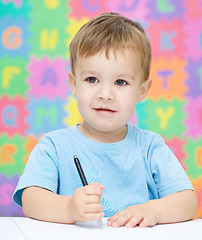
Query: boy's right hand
[85,204]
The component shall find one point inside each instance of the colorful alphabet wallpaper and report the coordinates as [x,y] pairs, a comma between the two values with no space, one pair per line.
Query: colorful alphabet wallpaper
[35,97]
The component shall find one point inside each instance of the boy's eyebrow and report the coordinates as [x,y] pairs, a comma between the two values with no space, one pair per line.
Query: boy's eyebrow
[126,75]
[118,76]
[87,72]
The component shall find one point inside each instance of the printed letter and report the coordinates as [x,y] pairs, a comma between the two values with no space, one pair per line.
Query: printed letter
[10,114]
[9,73]
[166,39]
[90,6]
[17,3]
[6,191]
[49,76]
[11,37]
[6,152]
[164,75]
[50,115]
[49,39]
[164,6]
[52,3]
[164,116]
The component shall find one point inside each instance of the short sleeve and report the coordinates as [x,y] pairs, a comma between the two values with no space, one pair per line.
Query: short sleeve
[167,172]
[41,169]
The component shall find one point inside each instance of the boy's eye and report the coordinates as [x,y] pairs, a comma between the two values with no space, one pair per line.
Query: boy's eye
[92,80]
[120,82]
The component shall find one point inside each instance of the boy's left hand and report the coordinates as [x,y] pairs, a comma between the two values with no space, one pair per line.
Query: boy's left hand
[144,215]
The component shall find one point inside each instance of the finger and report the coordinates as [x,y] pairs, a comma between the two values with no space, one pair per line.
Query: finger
[93,208]
[119,219]
[147,222]
[134,221]
[93,199]
[97,185]
[112,219]
[93,189]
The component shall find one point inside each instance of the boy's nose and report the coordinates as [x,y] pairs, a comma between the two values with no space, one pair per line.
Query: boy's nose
[106,93]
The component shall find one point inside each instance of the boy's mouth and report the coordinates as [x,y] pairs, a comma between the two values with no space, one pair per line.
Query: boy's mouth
[104,110]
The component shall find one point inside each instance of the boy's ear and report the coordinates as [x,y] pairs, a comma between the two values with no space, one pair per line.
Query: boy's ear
[72,83]
[144,89]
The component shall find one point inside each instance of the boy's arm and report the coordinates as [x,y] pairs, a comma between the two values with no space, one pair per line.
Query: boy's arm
[176,207]
[84,205]
[42,204]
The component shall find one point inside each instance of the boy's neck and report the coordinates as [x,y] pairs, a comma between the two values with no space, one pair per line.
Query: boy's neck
[103,137]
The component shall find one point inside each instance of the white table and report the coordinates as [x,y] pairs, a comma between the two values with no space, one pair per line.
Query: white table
[19,228]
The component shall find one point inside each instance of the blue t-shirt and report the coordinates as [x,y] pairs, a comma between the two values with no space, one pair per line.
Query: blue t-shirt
[139,168]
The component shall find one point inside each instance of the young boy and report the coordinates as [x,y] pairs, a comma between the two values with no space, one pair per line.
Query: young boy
[134,179]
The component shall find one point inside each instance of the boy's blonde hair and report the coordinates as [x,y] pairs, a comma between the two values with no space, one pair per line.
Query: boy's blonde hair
[111,31]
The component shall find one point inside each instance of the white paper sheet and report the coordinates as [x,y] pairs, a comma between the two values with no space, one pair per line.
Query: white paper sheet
[9,230]
[39,230]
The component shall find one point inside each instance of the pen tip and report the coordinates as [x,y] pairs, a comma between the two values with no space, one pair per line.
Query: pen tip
[75,156]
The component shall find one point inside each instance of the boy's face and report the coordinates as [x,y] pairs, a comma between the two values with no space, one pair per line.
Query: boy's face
[107,91]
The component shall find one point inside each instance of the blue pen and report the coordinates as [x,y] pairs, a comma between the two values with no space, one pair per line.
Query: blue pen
[84,181]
